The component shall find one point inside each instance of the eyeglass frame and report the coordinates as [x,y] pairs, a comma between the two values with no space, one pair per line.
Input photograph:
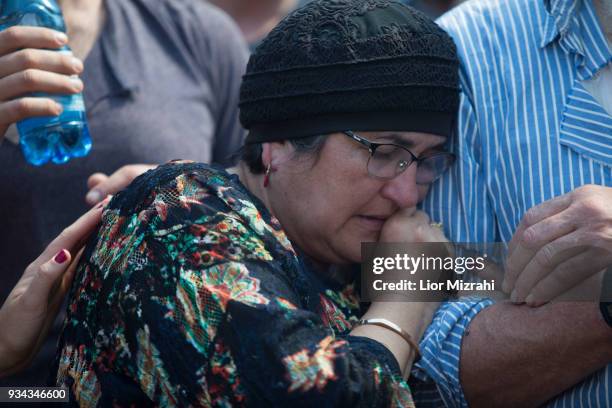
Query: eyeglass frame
[372,146]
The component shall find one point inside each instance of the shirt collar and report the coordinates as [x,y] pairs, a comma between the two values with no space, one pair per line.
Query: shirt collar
[568,22]
[559,20]
[118,48]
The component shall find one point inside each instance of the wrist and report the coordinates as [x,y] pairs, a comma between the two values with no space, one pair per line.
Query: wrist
[4,353]
[389,325]
[413,317]
[9,360]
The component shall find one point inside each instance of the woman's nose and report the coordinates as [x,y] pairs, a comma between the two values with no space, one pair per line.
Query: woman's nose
[402,189]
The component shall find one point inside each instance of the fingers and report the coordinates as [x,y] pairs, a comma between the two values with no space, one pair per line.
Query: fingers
[43,282]
[109,185]
[45,60]
[57,295]
[101,185]
[20,37]
[74,236]
[564,276]
[537,214]
[95,195]
[35,80]
[548,230]
[421,217]
[96,179]
[69,274]
[14,111]
[543,264]
[29,65]
[532,242]
[411,226]
[491,271]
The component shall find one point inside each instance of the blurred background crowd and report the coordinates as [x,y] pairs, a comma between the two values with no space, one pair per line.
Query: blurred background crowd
[257,18]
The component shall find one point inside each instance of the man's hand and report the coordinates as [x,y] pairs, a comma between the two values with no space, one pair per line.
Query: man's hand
[559,244]
[32,305]
[100,185]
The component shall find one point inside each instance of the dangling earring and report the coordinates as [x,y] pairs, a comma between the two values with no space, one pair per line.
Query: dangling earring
[267,176]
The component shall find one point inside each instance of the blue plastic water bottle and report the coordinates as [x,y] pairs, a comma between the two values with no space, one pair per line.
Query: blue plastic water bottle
[53,138]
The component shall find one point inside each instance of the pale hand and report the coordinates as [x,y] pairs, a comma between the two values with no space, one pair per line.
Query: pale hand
[31,307]
[100,185]
[28,64]
[411,226]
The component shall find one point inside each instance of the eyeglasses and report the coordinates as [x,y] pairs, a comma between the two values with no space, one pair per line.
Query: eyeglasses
[387,160]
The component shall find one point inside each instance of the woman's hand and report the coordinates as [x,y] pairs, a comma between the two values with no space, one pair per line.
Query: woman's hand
[411,226]
[407,226]
[100,185]
[32,305]
[28,64]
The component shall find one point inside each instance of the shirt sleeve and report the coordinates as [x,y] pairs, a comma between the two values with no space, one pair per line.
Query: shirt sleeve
[441,349]
[214,319]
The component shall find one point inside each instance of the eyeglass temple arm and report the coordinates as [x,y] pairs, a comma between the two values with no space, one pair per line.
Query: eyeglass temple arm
[371,146]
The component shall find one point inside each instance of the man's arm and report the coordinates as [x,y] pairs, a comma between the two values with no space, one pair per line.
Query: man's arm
[519,356]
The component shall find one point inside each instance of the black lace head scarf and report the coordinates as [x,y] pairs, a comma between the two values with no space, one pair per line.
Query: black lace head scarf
[363,65]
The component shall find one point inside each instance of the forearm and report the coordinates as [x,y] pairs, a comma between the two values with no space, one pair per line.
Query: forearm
[520,356]
[8,365]
[411,317]
[3,366]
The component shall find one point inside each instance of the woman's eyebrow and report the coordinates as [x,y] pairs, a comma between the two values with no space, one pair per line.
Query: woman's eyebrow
[439,144]
[397,139]
[409,143]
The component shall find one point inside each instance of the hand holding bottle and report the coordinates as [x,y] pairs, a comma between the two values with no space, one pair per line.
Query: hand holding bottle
[31,307]
[28,64]
[64,134]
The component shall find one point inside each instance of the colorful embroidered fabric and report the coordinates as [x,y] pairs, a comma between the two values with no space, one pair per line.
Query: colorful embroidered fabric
[192,295]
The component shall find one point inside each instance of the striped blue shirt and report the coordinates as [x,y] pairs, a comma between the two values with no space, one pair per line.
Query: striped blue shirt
[528,131]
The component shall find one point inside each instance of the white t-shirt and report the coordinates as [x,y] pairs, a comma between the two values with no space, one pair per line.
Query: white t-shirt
[600,86]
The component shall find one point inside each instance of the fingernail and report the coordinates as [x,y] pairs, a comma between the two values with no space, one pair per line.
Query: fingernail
[529,300]
[61,257]
[61,37]
[59,108]
[77,64]
[78,84]
[103,203]
[93,197]
[514,296]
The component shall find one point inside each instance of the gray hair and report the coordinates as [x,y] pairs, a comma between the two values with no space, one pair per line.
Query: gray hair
[306,146]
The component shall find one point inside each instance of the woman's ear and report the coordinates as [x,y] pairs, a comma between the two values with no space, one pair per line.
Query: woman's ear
[276,153]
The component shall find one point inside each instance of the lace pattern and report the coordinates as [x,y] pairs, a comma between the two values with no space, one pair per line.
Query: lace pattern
[350,56]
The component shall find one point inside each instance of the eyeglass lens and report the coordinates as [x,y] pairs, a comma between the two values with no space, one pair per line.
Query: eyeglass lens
[389,160]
